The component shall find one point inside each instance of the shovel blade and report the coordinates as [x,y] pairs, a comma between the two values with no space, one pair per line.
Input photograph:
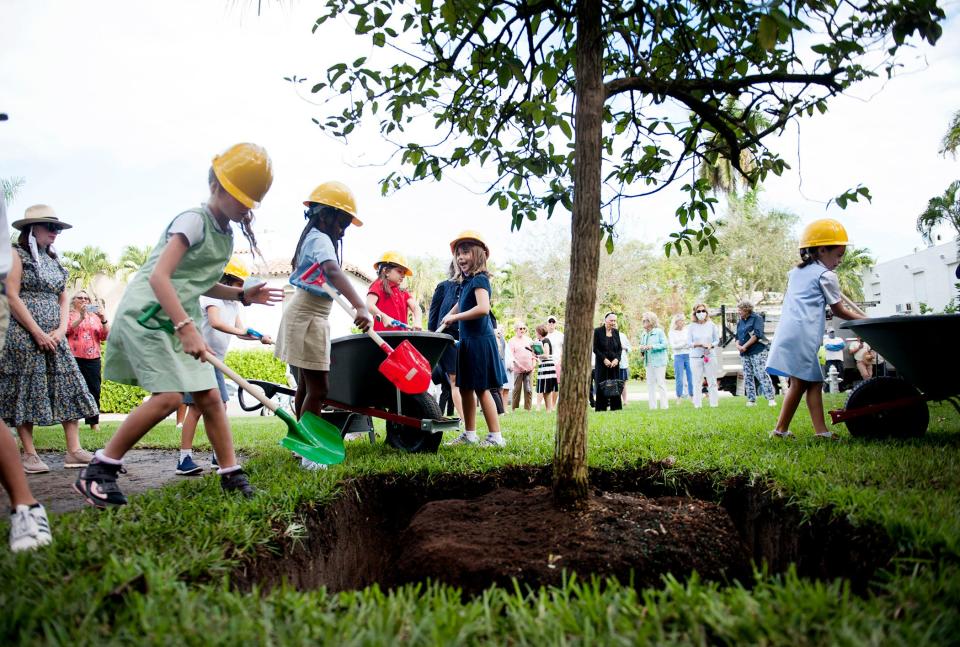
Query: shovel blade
[407,369]
[313,438]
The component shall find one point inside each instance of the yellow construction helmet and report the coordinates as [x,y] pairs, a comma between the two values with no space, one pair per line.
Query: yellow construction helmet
[393,258]
[237,268]
[335,194]
[822,233]
[246,172]
[469,234]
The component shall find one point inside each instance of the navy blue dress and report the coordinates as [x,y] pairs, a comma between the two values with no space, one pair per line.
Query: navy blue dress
[479,366]
[445,296]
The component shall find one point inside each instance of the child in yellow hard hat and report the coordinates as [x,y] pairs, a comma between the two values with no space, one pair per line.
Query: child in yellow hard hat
[304,338]
[221,323]
[186,263]
[387,301]
[811,287]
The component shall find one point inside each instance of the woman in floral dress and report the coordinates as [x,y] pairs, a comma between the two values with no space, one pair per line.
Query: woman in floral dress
[40,383]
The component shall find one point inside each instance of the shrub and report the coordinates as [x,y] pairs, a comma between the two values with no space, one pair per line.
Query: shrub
[257,365]
[120,398]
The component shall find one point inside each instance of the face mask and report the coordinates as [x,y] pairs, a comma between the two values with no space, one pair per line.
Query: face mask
[832,335]
[701,316]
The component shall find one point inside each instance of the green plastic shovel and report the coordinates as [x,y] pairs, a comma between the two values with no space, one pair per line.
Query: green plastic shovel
[312,437]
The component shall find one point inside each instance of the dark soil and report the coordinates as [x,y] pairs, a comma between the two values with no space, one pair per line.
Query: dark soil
[147,469]
[476,529]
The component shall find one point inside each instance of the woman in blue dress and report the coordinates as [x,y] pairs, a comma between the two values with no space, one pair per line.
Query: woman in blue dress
[811,286]
[479,367]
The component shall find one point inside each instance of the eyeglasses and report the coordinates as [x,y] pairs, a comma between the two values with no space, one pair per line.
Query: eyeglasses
[521,328]
[701,312]
[52,227]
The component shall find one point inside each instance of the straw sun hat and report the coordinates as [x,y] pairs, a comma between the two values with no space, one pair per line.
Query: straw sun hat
[38,214]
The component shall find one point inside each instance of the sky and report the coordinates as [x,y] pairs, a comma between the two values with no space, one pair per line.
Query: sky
[117,107]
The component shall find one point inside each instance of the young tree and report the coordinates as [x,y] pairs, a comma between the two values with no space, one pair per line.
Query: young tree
[86,264]
[941,210]
[10,187]
[850,271]
[132,259]
[951,139]
[650,82]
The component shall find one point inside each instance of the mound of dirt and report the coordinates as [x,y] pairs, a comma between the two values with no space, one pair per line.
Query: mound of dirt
[520,534]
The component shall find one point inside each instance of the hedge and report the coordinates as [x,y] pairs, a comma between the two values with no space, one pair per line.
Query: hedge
[251,364]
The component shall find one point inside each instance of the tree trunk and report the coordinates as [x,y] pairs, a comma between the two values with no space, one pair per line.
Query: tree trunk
[570,450]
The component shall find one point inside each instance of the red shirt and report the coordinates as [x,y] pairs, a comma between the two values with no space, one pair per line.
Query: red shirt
[392,305]
[86,338]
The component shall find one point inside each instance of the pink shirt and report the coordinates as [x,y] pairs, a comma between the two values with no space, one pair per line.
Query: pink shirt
[86,338]
[522,355]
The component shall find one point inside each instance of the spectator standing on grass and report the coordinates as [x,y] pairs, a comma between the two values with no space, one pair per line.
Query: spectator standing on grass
[546,373]
[87,330]
[864,356]
[833,350]
[221,323]
[624,366]
[653,343]
[703,336]
[40,383]
[523,363]
[606,353]
[556,341]
[29,526]
[752,344]
[680,345]
[507,390]
[811,286]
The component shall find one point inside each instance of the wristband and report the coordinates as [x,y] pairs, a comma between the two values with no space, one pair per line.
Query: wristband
[188,320]
[241,297]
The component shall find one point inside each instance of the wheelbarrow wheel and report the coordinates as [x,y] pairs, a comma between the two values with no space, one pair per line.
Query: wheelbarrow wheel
[903,422]
[414,439]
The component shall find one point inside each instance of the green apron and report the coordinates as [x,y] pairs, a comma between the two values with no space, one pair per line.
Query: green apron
[154,359]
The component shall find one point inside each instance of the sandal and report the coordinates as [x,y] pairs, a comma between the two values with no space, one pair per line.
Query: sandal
[827,436]
[781,434]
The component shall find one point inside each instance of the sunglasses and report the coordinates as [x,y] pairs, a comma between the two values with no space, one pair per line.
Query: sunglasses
[53,228]
[701,311]
[521,328]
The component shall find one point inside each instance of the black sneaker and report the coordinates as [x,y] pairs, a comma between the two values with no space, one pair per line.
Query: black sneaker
[97,484]
[237,482]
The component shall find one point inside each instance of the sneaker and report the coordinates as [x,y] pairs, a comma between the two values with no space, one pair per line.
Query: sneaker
[462,439]
[772,402]
[237,481]
[33,465]
[354,435]
[97,484]
[781,434]
[307,464]
[751,403]
[489,441]
[39,515]
[187,467]
[79,458]
[23,530]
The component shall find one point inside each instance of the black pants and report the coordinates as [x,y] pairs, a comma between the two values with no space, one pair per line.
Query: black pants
[90,369]
[602,402]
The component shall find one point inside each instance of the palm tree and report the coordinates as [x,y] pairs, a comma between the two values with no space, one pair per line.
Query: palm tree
[850,272]
[86,264]
[132,259]
[721,174]
[951,140]
[941,210]
[9,187]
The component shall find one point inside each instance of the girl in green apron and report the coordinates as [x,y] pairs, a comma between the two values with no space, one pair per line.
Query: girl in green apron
[186,263]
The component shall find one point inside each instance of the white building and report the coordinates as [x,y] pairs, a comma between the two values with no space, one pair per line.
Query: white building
[898,287]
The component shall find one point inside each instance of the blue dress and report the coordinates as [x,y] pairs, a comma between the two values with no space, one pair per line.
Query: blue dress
[793,352]
[479,366]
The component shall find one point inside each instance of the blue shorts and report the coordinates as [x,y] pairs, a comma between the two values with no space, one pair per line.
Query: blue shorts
[221,384]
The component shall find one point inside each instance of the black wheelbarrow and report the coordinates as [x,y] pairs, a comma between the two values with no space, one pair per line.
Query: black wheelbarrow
[358,391]
[897,406]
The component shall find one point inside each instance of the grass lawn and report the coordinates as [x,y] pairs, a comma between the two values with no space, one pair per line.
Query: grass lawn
[157,570]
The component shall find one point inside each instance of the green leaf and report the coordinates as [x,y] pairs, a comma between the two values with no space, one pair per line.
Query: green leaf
[550,76]
[767,33]
[565,127]
[379,39]
[609,244]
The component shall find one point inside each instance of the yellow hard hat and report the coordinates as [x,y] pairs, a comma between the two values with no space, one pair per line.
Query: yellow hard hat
[237,268]
[469,234]
[393,258]
[246,172]
[822,233]
[335,194]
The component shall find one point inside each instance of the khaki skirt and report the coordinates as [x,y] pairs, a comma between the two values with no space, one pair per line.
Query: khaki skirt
[304,337]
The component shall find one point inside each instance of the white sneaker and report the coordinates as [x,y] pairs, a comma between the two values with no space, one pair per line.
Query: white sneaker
[462,439]
[39,514]
[354,435]
[490,441]
[23,530]
[751,403]
[772,402]
[307,464]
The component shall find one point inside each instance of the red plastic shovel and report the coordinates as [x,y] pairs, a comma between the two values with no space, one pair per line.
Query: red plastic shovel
[405,366]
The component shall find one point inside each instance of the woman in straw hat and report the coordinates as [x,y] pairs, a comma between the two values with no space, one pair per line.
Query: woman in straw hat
[40,383]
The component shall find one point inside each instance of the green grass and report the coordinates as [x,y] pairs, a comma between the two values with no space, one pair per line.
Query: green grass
[156,570]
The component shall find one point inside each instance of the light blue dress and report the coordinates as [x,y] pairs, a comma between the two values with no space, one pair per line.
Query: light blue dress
[793,352]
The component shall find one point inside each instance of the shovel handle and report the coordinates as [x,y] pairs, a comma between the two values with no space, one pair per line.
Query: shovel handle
[853,306]
[339,298]
[150,321]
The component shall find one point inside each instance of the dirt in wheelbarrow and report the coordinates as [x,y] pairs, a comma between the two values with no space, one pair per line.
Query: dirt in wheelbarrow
[476,531]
